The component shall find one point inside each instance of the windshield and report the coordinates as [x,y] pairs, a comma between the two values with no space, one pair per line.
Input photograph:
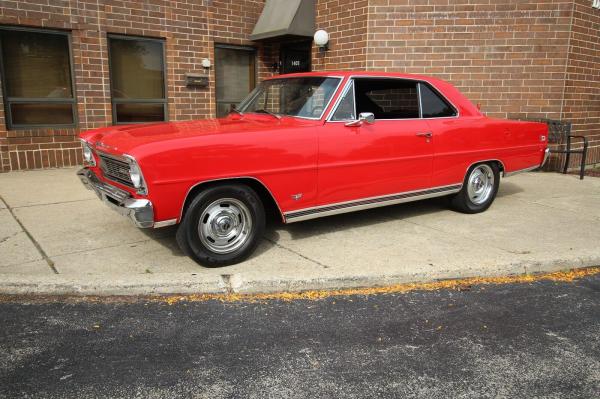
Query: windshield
[305,97]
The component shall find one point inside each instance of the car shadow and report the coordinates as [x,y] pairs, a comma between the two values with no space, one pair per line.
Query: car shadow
[315,227]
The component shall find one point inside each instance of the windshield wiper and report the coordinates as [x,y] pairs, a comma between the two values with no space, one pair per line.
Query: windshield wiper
[264,111]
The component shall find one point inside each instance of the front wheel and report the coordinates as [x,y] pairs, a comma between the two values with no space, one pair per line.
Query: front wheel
[222,225]
[479,189]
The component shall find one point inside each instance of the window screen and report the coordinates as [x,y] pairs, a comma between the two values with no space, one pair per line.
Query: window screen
[433,105]
[387,98]
[137,71]
[37,79]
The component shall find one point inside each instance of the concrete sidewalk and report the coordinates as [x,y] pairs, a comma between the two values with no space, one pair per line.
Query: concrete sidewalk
[58,238]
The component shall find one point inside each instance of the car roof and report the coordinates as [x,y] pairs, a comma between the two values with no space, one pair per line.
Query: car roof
[342,74]
[463,104]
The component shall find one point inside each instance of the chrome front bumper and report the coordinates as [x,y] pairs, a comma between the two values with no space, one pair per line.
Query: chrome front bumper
[140,211]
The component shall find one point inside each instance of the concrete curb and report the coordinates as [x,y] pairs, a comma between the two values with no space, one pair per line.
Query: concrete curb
[254,283]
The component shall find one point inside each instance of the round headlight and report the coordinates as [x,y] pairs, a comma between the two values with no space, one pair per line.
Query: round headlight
[136,176]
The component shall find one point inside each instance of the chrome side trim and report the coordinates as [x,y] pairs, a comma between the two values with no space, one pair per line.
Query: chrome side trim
[516,172]
[368,203]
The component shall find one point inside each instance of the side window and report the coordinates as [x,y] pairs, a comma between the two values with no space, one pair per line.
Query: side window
[345,109]
[433,106]
[387,98]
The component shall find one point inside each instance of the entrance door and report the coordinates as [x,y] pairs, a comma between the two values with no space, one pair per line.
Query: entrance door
[295,57]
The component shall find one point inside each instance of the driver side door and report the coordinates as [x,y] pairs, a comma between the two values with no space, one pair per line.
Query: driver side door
[393,155]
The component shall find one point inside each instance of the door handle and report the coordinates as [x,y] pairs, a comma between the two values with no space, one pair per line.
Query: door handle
[425,134]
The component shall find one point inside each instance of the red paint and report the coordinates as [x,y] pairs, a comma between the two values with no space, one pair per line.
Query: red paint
[325,161]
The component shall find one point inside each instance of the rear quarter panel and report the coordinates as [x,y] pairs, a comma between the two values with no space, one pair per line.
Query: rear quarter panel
[463,141]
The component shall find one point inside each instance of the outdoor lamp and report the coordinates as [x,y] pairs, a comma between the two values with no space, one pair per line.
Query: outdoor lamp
[321,39]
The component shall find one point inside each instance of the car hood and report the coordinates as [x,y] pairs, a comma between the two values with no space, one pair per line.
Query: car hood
[128,139]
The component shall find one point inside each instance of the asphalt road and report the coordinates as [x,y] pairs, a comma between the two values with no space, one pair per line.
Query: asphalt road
[529,340]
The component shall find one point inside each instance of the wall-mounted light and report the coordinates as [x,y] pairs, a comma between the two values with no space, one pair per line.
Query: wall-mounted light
[205,63]
[321,39]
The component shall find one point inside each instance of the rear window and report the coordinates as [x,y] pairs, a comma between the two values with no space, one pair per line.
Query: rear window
[433,105]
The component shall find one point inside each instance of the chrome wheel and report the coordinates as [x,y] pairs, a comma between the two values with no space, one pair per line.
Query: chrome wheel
[225,225]
[480,185]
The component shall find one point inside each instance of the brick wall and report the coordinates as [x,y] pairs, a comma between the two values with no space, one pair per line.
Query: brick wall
[582,91]
[190,29]
[509,56]
[346,23]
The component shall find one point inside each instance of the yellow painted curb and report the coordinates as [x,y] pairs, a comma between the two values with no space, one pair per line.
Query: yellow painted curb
[455,284]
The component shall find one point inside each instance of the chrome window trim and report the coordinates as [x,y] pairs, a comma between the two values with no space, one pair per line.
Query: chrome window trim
[369,202]
[352,77]
[312,118]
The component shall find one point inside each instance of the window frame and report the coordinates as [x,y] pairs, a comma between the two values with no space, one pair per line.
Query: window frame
[250,49]
[115,101]
[418,83]
[8,101]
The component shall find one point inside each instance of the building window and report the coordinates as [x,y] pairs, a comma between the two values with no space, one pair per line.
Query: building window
[235,69]
[37,79]
[137,76]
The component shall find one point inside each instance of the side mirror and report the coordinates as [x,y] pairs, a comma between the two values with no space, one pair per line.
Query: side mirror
[363,117]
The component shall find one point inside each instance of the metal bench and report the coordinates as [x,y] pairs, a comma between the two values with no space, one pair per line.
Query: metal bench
[559,134]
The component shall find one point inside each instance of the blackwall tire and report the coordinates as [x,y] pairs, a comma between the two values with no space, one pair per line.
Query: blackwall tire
[222,225]
[479,189]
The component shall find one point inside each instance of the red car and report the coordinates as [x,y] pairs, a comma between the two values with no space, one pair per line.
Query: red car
[307,145]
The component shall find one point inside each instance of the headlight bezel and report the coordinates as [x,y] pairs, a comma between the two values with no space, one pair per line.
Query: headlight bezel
[89,158]
[136,175]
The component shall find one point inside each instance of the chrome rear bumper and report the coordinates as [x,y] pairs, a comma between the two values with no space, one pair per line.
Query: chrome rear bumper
[546,156]
[140,211]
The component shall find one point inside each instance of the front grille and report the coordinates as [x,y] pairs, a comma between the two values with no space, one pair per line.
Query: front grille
[115,169]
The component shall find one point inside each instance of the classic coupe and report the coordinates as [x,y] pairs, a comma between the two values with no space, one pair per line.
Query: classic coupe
[305,146]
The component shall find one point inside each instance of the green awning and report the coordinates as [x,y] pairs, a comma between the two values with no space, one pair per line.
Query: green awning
[285,18]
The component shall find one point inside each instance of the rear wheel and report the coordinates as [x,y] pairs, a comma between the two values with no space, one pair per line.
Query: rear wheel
[222,225]
[479,189]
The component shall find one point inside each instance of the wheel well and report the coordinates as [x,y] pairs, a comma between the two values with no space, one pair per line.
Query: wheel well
[498,163]
[272,211]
